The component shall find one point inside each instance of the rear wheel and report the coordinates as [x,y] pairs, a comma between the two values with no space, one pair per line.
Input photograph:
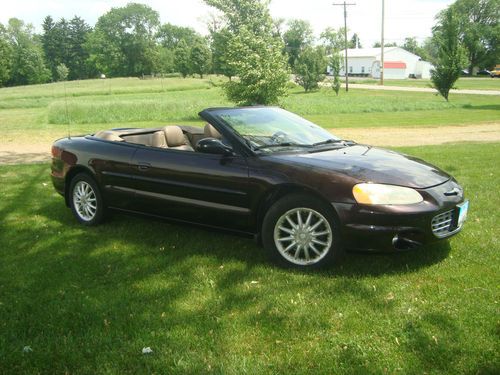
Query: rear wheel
[299,231]
[85,200]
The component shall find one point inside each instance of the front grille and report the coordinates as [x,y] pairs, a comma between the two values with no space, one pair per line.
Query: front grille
[443,224]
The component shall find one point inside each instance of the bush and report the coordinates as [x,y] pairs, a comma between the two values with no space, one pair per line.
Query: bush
[310,68]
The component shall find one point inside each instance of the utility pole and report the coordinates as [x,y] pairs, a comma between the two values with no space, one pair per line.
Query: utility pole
[382,46]
[345,5]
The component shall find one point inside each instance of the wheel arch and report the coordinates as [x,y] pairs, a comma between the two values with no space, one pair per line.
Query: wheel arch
[70,175]
[281,191]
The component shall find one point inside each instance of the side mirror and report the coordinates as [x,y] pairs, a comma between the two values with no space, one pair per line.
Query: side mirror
[213,146]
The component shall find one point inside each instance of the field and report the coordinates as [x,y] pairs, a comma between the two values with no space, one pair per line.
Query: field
[81,300]
[38,114]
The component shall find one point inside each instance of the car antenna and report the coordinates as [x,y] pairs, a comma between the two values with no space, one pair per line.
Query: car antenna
[66,108]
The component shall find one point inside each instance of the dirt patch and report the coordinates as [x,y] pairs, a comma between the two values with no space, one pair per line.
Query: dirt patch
[21,152]
[421,136]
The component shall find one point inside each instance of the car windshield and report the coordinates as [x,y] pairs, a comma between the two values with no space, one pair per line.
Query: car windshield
[273,129]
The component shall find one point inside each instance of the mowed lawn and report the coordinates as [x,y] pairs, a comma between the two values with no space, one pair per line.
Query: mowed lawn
[41,113]
[87,300]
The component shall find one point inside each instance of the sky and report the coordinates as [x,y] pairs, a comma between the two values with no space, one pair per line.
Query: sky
[403,18]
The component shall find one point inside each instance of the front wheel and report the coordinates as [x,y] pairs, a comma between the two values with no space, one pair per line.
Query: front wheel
[85,200]
[299,231]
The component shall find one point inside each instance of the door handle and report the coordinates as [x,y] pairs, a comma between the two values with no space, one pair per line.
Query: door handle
[143,166]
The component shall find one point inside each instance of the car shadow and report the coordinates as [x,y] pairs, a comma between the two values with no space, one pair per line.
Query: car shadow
[199,240]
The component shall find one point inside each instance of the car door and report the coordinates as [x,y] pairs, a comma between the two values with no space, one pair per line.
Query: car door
[191,186]
[112,163]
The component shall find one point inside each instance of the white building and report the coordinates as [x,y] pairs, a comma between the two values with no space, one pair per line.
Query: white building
[398,63]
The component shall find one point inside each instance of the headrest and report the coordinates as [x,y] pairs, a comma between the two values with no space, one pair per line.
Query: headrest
[211,132]
[108,135]
[174,135]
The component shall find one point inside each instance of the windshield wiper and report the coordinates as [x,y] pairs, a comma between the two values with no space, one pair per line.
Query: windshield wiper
[284,144]
[328,141]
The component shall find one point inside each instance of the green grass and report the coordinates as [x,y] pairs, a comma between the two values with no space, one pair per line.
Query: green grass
[87,300]
[463,83]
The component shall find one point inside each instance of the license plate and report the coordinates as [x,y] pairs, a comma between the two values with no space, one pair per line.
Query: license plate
[462,212]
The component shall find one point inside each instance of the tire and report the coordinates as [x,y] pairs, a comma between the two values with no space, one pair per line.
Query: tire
[86,200]
[299,231]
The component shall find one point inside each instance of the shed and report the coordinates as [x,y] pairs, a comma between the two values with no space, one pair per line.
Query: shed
[365,62]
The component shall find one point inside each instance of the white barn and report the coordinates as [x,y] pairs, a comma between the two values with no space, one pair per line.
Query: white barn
[398,63]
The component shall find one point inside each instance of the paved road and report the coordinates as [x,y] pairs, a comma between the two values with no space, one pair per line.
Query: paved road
[420,89]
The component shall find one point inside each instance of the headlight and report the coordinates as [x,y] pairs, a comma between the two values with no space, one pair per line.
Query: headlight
[385,194]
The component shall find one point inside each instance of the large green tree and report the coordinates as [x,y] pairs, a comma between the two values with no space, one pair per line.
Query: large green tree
[200,58]
[479,31]
[5,56]
[123,41]
[182,60]
[64,43]
[170,35]
[298,36]
[219,45]
[254,52]
[332,40]
[451,54]
[27,64]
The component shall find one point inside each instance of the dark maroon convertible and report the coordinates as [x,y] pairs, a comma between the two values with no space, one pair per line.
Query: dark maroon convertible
[266,172]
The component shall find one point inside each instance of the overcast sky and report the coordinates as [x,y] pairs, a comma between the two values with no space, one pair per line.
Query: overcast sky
[403,17]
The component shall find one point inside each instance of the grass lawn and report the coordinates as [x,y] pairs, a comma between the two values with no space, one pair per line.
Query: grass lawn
[463,83]
[87,300]
[43,112]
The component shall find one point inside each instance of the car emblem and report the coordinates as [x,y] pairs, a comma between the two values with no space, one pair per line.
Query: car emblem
[454,191]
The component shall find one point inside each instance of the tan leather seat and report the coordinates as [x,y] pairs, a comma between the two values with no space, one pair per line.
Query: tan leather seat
[159,140]
[211,132]
[108,135]
[176,139]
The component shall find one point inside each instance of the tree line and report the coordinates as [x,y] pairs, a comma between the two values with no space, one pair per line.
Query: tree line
[244,41]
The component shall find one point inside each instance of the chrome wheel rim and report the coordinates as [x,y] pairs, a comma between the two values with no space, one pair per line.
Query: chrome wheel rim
[84,200]
[303,236]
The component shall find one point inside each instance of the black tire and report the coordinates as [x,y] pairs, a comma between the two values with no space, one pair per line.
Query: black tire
[92,216]
[301,205]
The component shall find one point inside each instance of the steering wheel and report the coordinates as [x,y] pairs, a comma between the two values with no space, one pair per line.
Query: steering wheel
[278,137]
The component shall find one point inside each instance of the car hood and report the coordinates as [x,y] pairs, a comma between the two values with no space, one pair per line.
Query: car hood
[371,164]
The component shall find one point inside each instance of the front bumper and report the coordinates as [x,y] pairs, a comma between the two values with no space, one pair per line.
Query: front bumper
[401,227]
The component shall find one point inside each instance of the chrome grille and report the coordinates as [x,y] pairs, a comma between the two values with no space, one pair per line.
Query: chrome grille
[442,224]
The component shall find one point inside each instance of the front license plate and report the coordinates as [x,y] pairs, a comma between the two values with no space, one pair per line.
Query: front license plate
[462,212]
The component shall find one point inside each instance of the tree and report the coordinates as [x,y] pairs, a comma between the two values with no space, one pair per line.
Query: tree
[479,31]
[170,35]
[62,72]
[123,42]
[310,68]
[27,65]
[182,59]
[254,52]
[451,55]
[336,63]
[200,57]
[5,57]
[220,42]
[354,42]
[298,36]
[378,45]
[77,56]
[261,69]
[332,40]
[411,45]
